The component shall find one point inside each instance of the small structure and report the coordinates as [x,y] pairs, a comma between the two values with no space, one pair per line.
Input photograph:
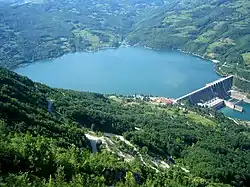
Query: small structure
[50,105]
[162,100]
[215,103]
[233,106]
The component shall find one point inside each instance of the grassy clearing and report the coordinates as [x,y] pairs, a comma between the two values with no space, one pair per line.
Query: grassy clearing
[115,98]
[189,114]
[206,37]
[171,19]
[213,45]
[211,55]
[246,57]
[93,39]
[221,42]
[173,111]
[200,119]
[202,39]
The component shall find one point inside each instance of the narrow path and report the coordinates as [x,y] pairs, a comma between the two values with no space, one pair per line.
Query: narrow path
[106,138]
[241,78]
[237,76]
[234,120]
[135,149]
[228,66]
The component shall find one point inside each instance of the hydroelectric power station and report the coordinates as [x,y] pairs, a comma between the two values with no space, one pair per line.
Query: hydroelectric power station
[213,95]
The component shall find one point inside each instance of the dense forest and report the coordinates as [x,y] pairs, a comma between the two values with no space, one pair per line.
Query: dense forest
[47,146]
[42,29]
[48,29]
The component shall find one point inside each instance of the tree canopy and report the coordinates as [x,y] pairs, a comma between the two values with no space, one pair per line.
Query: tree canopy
[44,147]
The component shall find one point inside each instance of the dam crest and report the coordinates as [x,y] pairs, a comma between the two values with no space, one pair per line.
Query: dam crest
[213,95]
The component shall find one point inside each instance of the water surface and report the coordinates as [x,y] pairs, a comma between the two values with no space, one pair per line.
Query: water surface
[125,71]
[239,115]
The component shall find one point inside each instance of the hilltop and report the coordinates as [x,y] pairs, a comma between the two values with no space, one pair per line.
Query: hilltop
[141,143]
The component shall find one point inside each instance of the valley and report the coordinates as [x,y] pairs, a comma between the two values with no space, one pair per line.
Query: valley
[89,88]
[217,30]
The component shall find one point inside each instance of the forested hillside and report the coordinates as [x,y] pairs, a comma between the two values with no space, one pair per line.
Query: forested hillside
[35,30]
[47,146]
[215,29]
[43,131]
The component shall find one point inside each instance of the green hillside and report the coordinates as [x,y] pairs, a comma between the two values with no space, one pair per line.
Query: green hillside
[43,146]
[45,133]
[212,29]
[36,30]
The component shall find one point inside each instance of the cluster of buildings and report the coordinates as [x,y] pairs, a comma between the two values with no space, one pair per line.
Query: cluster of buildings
[215,95]
[163,100]
[156,100]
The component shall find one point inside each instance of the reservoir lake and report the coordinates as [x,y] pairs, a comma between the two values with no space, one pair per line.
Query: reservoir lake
[126,71]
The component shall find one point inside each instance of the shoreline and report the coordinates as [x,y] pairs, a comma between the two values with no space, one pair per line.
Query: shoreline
[112,48]
[215,62]
[24,64]
[197,55]
[123,44]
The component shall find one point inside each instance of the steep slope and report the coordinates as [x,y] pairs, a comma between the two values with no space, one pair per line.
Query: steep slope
[212,29]
[45,147]
[35,30]
[24,107]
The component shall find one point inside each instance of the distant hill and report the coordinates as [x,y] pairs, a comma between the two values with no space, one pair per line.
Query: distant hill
[217,29]
[42,29]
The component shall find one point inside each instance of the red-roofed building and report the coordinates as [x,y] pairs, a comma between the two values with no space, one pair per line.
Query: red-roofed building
[162,100]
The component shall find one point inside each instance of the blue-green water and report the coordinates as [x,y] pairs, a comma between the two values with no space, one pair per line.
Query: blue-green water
[128,71]
[239,115]
[125,71]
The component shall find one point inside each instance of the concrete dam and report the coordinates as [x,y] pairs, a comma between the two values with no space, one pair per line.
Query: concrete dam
[212,94]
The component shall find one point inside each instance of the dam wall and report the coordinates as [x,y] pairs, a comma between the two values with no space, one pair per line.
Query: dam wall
[219,88]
